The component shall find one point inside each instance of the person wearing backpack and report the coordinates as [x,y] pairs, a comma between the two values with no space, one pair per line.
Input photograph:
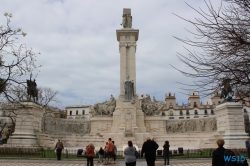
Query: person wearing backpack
[247,142]
[100,153]
[59,147]
[90,153]
[218,154]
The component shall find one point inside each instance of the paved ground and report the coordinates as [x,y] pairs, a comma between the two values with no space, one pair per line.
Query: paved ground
[65,162]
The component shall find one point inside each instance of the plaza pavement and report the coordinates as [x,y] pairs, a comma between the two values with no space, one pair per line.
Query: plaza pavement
[66,162]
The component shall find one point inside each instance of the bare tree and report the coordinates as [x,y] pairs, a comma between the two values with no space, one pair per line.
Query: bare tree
[223,36]
[16,60]
[46,98]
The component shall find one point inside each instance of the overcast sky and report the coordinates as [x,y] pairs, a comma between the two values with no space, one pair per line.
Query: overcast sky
[80,51]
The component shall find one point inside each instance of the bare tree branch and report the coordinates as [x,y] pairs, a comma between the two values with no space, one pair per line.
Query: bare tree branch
[223,36]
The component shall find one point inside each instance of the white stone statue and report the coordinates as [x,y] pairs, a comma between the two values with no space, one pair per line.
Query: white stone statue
[151,107]
[105,108]
[126,19]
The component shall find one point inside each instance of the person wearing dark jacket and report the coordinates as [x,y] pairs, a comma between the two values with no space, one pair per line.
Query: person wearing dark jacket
[149,148]
[166,152]
[59,147]
[218,154]
[101,154]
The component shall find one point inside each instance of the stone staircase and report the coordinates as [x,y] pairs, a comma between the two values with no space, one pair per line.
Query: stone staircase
[46,141]
[194,140]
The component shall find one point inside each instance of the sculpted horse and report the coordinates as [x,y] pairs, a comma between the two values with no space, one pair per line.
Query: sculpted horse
[226,90]
[32,91]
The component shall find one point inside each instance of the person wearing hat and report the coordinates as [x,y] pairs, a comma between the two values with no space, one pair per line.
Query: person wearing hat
[100,153]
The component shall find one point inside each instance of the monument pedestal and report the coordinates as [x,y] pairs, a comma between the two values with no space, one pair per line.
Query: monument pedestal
[28,122]
[230,122]
[128,123]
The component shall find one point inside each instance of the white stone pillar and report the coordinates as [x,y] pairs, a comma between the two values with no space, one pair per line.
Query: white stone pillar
[132,60]
[123,64]
[28,122]
[127,42]
[230,124]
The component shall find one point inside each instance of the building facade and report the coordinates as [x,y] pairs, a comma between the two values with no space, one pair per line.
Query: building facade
[78,111]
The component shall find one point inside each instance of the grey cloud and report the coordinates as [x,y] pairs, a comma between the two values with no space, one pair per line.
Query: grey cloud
[80,54]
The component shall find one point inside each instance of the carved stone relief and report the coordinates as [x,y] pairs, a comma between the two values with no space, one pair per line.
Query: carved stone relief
[128,118]
[182,126]
[57,125]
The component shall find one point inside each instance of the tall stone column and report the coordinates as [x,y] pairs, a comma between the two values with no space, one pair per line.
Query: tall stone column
[132,60]
[123,64]
[127,38]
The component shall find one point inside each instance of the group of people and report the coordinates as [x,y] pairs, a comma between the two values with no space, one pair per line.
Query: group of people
[108,153]
[149,147]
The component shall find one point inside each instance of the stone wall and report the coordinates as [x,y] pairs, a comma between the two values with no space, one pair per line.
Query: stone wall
[183,126]
[69,126]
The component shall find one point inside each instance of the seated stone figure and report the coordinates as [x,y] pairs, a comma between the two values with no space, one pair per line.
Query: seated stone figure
[105,108]
[150,108]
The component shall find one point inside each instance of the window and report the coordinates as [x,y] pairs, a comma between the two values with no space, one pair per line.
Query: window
[76,112]
[187,112]
[195,112]
[83,112]
[212,111]
[70,112]
[170,106]
[195,104]
[205,112]
[181,112]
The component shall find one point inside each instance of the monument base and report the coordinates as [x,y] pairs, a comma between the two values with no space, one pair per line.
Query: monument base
[28,122]
[230,123]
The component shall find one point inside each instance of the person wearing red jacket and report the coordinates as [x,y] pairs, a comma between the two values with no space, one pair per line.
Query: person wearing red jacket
[90,153]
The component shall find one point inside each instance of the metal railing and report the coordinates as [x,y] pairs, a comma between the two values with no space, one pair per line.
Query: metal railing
[7,152]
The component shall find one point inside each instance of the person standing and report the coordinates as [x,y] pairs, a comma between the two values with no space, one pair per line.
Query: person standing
[100,153]
[106,151]
[149,148]
[59,147]
[110,152]
[129,152]
[218,154]
[114,151]
[90,153]
[248,146]
[166,152]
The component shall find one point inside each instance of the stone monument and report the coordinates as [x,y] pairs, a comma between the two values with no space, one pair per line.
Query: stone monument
[28,124]
[128,118]
[230,124]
